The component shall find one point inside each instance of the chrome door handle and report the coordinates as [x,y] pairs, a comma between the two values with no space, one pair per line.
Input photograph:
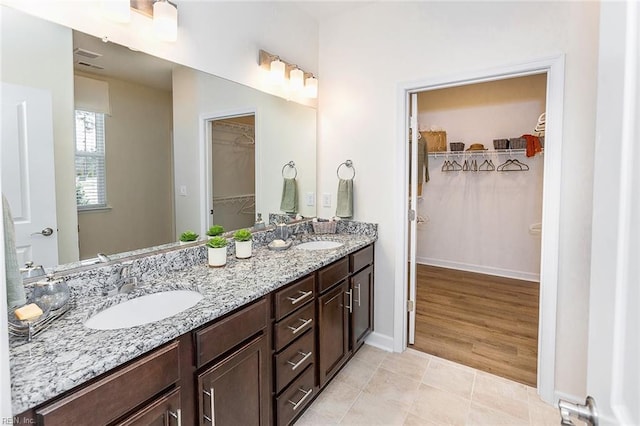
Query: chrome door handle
[305,323]
[350,307]
[296,405]
[357,287]
[47,232]
[210,394]
[177,415]
[299,363]
[304,296]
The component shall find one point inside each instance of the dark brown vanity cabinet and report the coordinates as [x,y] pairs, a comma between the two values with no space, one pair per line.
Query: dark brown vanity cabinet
[294,349]
[361,289]
[233,357]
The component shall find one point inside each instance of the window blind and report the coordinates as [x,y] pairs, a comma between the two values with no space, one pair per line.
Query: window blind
[91,189]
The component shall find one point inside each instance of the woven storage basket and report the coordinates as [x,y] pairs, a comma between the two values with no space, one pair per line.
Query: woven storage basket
[501,143]
[456,146]
[436,141]
[517,143]
[324,227]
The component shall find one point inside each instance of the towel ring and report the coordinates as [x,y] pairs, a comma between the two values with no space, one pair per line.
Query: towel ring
[349,164]
[293,166]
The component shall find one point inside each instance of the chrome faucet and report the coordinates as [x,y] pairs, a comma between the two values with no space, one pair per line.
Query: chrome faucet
[125,282]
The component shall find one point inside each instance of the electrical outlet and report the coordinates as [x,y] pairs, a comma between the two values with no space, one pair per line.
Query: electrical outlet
[326,200]
[183,190]
[311,198]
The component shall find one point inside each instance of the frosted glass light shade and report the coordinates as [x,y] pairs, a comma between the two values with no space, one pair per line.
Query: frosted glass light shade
[296,79]
[311,87]
[165,21]
[116,10]
[276,72]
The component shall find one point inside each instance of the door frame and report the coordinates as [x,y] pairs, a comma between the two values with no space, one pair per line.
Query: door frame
[206,166]
[554,68]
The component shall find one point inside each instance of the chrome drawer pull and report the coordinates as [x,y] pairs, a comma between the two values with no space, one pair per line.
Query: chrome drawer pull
[304,296]
[177,415]
[304,324]
[210,394]
[296,405]
[350,307]
[299,363]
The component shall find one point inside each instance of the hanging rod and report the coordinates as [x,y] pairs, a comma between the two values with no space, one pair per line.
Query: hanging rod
[438,154]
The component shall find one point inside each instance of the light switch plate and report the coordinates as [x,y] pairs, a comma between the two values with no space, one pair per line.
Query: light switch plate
[326,200]
[311,198]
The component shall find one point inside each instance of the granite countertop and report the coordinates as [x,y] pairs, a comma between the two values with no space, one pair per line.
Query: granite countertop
[68,354]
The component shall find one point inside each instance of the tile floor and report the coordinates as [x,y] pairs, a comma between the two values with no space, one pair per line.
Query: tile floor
[414,388]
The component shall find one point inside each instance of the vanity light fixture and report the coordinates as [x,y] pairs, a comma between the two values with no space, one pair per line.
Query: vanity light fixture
[163,13]
[281,72]
[165,20]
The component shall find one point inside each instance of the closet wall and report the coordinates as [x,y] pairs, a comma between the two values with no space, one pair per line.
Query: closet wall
[479,221]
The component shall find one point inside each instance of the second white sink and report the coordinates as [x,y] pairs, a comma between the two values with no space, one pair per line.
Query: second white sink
[143,310]
[319,245]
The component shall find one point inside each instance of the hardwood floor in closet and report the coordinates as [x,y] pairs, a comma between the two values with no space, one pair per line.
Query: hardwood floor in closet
[483,321]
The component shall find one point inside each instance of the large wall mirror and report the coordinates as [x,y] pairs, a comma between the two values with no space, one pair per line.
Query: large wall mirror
[183,149]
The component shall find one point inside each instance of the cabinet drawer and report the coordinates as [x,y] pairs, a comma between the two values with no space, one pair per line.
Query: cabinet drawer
[296,397]
[294,296]
[216,339]
[113,396]
[162,411]
[294,359]
[360,259]
[294,326]
[333,274]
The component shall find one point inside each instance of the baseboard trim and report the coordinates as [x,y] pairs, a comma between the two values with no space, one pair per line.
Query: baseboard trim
[380,341]
[488,270]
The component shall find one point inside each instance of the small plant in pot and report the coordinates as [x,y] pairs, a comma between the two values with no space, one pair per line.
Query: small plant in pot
[243,243]
[215,230]
[188,237]
[217,251]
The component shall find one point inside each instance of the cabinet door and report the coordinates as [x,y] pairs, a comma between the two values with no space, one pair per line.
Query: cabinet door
[333,331]
[362,317]
[164,411]
[236,391]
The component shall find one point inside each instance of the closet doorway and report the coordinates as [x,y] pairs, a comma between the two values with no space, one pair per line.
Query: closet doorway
[552,169]
[232,166]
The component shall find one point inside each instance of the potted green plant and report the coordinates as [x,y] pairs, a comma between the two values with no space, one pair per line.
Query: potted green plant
[217,251]
[243,243]
[215,230]
[188,237]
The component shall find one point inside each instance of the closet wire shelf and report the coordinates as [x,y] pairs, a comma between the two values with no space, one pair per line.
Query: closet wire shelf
[440,154]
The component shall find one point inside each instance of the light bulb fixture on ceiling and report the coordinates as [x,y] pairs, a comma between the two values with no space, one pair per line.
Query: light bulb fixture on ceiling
[165,20]
[280,71]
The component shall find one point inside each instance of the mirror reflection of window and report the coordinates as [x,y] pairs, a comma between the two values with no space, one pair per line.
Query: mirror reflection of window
[91,189]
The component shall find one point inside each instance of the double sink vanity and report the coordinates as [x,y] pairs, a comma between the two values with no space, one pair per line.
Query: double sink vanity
[253,342]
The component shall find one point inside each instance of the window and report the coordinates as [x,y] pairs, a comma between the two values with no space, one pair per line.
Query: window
[90,161]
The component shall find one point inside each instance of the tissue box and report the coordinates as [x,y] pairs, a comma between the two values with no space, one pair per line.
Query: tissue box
[436,141]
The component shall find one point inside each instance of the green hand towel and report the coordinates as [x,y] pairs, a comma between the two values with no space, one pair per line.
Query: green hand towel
[15,289]
[345,198]
[289,202]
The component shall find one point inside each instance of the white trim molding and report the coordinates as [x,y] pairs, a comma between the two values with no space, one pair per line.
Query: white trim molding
[554,68]
[480,269]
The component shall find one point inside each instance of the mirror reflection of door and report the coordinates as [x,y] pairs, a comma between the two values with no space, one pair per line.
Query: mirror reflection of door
[233,171]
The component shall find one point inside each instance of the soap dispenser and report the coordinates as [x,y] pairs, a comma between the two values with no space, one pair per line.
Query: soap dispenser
[259,225]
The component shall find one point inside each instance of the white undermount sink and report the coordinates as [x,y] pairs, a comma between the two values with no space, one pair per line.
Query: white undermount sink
[143,310]
[319,245]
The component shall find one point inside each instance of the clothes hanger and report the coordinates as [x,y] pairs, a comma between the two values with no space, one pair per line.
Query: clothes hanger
[486,166]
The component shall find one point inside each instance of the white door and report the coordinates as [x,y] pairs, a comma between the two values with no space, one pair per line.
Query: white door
[413,179]
[613,376]
[28,180]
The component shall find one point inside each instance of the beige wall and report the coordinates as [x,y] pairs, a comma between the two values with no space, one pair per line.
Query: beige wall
[37,53]
[365,56]
[139,173]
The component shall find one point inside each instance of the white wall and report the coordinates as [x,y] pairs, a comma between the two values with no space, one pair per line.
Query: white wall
[47,65]
[364,57]
[479,221]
